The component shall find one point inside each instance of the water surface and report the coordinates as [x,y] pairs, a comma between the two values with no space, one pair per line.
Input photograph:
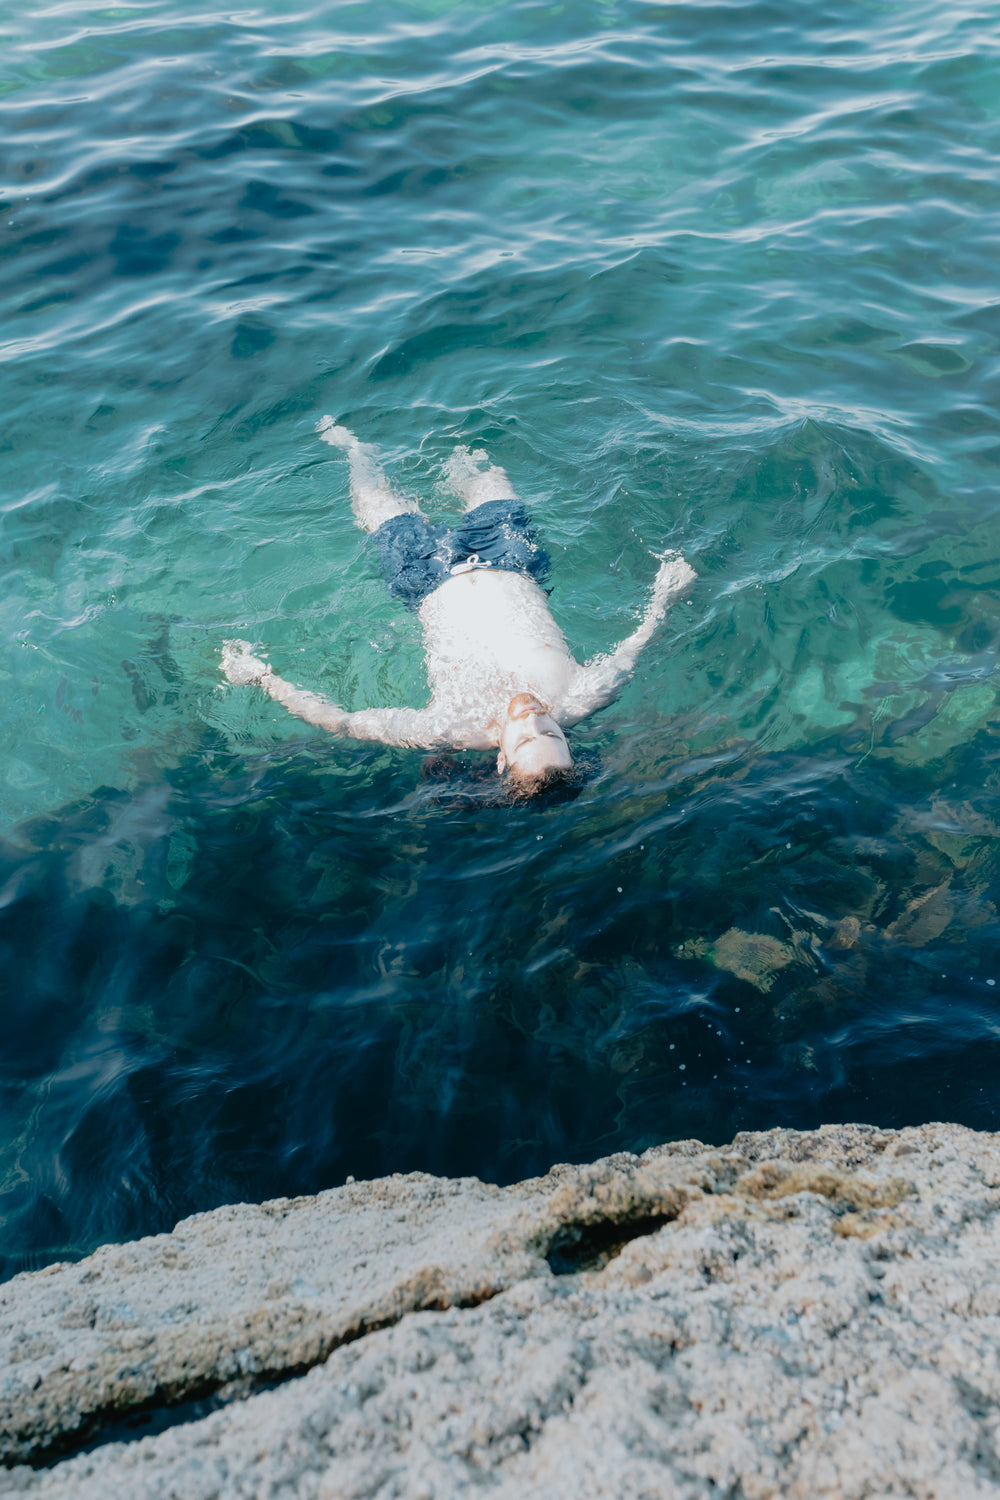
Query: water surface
[712,276]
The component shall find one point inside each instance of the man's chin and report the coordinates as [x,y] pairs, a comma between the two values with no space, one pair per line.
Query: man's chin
[525,703]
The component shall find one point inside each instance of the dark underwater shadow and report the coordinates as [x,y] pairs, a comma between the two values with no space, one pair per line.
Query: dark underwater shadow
[263,973]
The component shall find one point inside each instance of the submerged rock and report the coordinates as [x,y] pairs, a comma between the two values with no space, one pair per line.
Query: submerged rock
[754,957]
[795,1315]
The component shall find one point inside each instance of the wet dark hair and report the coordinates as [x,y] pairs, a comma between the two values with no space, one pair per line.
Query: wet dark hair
[547,784]
[467,782]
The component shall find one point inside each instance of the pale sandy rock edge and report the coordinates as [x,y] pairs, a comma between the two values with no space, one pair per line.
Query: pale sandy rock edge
[800,1315]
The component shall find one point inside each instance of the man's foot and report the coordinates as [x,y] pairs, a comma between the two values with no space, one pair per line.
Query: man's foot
[338,437]
[472,483]
[373,500]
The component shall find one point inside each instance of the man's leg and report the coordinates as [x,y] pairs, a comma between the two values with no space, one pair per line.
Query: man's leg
[373,500]
[473,483]
[497,532]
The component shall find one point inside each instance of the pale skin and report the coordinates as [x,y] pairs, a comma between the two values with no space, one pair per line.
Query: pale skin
[500,672]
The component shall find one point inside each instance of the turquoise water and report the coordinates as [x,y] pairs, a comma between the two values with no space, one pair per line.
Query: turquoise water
[720,277]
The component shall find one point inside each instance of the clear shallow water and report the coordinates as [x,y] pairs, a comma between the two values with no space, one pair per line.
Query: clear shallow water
[720,277]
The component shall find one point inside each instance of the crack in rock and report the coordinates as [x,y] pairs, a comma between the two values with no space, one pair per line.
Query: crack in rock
[592,1246]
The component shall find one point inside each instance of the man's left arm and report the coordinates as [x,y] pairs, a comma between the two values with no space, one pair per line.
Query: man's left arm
[393,726]
[600,681]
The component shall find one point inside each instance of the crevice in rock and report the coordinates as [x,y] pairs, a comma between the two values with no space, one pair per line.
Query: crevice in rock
[147,1421]
[579,1246]
[165,1408]
[176,1406]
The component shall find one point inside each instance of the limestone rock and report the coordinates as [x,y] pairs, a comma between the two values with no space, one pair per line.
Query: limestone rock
[800,1315]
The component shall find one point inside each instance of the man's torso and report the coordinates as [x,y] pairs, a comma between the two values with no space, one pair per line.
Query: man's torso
[488,635]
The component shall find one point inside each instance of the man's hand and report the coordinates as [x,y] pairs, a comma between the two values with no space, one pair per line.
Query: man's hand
[597,683]
[673,577]
[338,437]
[241,666]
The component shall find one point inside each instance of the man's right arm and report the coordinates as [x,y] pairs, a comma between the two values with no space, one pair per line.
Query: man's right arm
[600,681]
[392,726]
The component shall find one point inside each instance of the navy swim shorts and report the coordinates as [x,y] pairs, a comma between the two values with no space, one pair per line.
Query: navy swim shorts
[417,556]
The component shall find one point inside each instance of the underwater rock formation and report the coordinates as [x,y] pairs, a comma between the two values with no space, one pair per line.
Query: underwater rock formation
[796,1315]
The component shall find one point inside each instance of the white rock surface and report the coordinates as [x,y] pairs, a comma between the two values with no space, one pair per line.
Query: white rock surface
[818,1315]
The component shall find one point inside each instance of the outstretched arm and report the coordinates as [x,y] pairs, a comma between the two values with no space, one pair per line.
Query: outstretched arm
[600,680]
[393,726]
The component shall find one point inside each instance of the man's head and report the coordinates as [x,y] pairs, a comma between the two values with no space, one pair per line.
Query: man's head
[532,746]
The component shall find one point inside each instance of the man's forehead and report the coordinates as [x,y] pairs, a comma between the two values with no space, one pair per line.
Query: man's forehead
[536,751]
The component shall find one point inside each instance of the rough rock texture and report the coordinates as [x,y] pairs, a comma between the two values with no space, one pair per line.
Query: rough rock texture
[796,1315]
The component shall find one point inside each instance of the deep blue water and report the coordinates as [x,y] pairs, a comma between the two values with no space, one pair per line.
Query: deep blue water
[718,276]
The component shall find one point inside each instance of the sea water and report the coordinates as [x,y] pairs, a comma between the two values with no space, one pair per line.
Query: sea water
[713,276]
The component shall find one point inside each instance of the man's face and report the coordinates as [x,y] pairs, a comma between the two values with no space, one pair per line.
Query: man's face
[531,741]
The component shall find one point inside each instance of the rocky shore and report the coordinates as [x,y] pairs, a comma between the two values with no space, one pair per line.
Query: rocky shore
[800,1315]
